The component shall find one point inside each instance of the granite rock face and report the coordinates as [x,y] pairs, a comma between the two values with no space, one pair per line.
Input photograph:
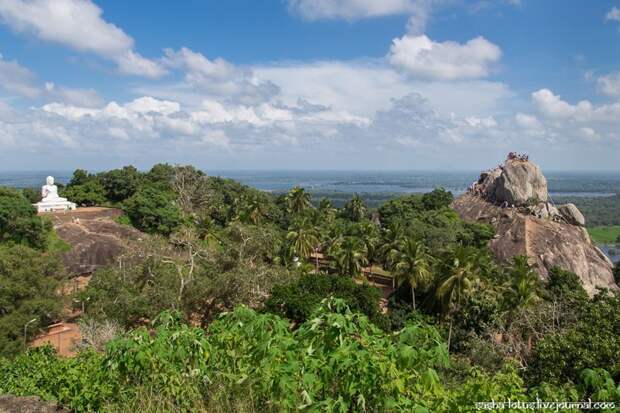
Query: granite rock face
[550,236]
[520,182]
[95,238]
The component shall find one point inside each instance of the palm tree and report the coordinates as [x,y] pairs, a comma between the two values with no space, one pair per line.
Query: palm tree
[524,283]
[252,209]
[412,265]
[389,244]
[459,283]
[355,209]
[327,210]
[304,238]
[298,200]
[349,256]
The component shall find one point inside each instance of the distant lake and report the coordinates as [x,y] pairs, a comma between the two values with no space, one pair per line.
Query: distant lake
[397,182]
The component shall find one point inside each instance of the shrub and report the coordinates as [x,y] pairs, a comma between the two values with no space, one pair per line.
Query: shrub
[88,194]
[153,210]
[19,222]
[28,281]
[298,300]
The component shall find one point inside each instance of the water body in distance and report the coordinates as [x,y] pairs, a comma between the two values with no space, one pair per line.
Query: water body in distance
[593,184]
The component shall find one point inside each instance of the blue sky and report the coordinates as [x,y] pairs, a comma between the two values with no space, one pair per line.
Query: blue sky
[309,84]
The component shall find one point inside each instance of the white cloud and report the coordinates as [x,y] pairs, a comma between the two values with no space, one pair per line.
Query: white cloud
[552,106]
[79,25]
[15,78]
[220,78]
[363,88]
[18,79]
[80,97]
[355,9]
[609,84]
[613,14]
[527,121]
[422,57]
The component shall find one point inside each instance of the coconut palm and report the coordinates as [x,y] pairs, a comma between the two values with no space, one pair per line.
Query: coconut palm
[252,209]
[412,265]
[524,283]
[389,244]
[349,256]
[461,279]
[304,238]
[298,200]
[327,210]
[355,209]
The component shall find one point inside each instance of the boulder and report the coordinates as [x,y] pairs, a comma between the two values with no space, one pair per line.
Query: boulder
[572,215]
[545,210]
[519,183]
[548,243]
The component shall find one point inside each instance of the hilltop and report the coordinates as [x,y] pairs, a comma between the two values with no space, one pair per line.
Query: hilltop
[513,197]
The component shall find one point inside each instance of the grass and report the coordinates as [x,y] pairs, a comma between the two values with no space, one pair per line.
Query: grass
[605,235]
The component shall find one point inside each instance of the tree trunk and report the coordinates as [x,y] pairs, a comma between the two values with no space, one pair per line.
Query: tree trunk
[449,335]
[413,297]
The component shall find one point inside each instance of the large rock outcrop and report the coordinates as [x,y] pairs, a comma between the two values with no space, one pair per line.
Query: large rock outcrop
[520,182]
[94,236]
[549,236]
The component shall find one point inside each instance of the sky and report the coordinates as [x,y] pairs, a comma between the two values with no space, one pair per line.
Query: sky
[309,84]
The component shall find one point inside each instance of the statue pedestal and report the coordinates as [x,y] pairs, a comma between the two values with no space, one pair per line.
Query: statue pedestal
[52,206]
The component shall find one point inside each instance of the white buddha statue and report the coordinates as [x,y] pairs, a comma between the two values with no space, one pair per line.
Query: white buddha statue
[51,201]
[49,192]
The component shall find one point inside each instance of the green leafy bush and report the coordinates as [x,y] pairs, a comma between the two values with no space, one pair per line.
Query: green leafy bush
[19,222]
[297,300]
[153,210]
[28,283]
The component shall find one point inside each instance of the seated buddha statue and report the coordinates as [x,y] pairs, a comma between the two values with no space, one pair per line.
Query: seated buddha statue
[49,192]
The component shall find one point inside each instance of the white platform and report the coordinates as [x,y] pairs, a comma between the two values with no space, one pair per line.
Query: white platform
[54,206]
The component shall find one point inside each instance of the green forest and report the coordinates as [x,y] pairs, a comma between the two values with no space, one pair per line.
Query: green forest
[239,300]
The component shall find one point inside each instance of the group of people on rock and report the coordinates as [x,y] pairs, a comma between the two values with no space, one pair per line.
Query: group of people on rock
[518,156]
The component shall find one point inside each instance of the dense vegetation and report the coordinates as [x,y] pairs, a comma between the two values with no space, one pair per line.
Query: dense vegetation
[245,301]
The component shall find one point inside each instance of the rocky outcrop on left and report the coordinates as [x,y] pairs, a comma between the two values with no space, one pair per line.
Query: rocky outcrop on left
[95,238]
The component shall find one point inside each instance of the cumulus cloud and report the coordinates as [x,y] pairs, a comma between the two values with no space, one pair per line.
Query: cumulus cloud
[554,107]
[419,56]
[527,121]
[220,78]
[613,14]
[609,84]
[17,79]
[79,25]
[356,9]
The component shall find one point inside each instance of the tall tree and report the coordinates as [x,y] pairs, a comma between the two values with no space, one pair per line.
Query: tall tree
[459,282]
[304,238]
[298,200]
[412,265]
[349,256]
[355,209]
[524,283]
